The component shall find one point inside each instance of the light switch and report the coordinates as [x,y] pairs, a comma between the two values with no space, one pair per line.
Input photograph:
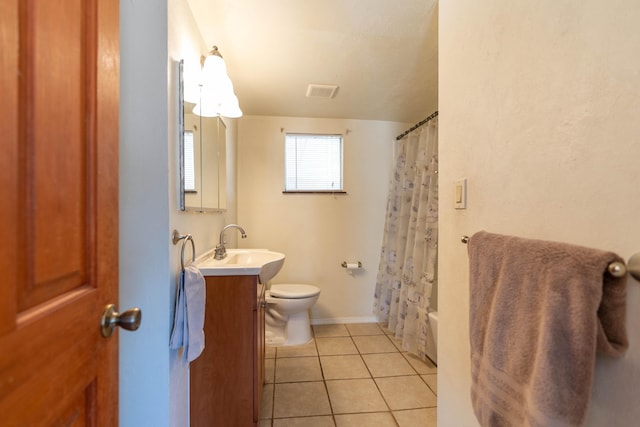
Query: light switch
[460,194]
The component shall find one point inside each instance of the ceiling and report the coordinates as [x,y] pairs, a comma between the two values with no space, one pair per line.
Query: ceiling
[382,54]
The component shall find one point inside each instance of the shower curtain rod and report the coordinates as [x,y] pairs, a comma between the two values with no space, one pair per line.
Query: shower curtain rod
[406,132]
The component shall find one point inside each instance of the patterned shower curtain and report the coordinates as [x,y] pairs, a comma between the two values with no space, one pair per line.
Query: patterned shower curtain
[408,260]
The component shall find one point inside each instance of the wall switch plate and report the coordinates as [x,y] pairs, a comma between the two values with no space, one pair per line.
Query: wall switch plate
[460,194]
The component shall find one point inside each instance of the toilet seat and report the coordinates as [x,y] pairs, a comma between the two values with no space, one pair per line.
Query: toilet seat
[293,291]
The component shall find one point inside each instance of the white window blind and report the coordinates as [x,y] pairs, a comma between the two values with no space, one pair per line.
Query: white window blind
[313,162]
[189,162]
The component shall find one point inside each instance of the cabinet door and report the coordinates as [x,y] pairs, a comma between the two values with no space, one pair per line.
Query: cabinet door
[223,377]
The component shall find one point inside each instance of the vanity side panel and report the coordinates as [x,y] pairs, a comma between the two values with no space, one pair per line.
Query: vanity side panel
[259,351]
[222,378]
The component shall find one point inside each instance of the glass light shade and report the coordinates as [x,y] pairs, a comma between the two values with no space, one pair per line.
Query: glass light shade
[217,97]
[213,70]
[206,110]
[231,108]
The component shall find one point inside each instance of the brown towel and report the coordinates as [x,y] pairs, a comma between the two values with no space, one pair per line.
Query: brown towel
[538,312]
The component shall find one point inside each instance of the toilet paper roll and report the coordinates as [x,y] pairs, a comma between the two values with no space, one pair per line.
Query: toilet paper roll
[352,266]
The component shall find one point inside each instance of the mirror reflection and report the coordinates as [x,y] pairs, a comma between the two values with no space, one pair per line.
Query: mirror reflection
[202,157]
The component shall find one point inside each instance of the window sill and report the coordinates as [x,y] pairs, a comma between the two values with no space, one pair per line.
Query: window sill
[314,192]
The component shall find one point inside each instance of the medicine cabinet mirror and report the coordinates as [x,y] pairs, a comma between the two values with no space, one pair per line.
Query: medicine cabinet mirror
[202,157]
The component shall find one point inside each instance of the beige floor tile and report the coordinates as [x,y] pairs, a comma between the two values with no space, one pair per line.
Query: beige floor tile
[419,365]
[346,356]
[374,344]
[269,352]
[353,396]
[397,342]
[297,369]
[387,364]
[426,417]
[384,328]
[337,330]
[364,329]
[300,399]
[432,382]
[308,349]
[407,392]
[266,406]
[374,419]
[335,346]
[343,367]
[326,421]
[269,370]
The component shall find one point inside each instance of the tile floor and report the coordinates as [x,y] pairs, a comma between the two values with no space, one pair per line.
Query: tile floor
[349,375]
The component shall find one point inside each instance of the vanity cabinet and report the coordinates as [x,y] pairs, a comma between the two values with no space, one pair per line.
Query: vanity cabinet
[227,378]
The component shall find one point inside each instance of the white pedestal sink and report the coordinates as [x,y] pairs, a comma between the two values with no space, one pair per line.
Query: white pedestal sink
[243,262]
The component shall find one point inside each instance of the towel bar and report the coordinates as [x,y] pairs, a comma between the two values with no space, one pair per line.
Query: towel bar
[176,237]
[616,269]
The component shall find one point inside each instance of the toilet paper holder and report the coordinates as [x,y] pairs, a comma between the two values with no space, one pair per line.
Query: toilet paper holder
[351,266]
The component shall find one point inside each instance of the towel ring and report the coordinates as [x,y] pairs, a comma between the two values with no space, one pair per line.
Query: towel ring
[176,237]
[193,250]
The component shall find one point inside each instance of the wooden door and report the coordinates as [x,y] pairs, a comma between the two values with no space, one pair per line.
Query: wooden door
[59,71]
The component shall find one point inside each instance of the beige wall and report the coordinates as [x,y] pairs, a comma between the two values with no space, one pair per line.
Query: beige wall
[539,110]
[316,231]
[184,42]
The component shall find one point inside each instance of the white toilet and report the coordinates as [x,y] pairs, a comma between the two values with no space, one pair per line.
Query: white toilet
[287,313]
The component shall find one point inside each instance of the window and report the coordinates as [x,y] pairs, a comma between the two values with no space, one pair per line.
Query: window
[189,162]
[313,163]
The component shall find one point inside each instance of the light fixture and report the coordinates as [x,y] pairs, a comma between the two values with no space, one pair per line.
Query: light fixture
[217,97]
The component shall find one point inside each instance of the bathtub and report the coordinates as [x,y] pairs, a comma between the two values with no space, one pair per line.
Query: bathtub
[432,350]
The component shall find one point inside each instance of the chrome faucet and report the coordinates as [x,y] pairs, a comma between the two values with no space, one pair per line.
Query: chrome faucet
[221,250]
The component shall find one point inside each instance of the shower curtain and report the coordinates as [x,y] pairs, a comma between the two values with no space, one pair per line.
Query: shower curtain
[408,261]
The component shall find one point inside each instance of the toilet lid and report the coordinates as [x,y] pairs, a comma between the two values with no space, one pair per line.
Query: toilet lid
[293,291]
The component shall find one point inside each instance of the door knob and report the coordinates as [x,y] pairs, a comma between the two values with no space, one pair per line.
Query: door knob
[129,320]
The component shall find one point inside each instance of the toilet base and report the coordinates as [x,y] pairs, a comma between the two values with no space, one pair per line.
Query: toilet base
[296,331]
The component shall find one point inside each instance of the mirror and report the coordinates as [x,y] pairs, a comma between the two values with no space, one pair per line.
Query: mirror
[202,156]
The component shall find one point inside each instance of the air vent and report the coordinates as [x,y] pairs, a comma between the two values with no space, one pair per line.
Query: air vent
[322,91]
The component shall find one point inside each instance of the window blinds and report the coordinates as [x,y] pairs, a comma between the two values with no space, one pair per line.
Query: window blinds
[313,162]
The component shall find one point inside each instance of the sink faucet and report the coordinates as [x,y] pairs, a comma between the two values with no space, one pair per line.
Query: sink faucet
[221,250]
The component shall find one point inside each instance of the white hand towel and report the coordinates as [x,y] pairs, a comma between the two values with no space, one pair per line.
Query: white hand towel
[188,325]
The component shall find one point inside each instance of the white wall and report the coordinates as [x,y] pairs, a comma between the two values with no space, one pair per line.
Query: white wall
[317,232]
[154,382]
[539,110]
[144,217]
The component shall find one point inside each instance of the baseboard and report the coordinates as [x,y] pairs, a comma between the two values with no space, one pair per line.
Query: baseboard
[337,320]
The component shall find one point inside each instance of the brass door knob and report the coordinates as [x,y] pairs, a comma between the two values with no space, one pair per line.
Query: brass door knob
[129,320]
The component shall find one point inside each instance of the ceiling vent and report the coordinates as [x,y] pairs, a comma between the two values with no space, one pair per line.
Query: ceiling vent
[322,91]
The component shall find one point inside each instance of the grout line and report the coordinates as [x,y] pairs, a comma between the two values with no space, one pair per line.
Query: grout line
[324,381]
